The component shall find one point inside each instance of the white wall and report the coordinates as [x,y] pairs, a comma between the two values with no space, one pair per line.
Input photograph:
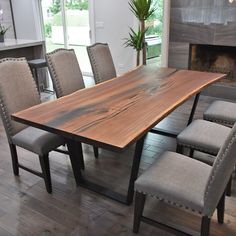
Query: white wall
[27,19]
[112,21]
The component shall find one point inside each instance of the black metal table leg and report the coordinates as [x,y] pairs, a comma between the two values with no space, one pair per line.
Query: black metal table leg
[76,158]
[164,132]
[135,169]
[127,199]
[175,134]
[193,108]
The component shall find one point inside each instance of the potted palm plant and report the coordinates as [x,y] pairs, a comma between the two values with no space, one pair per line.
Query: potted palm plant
[3,30]
[142,9]
[135,41]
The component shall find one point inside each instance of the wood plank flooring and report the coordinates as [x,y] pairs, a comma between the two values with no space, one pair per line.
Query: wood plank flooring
[27,209]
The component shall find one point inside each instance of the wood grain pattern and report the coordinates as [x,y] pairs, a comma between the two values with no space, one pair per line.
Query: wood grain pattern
[118,112]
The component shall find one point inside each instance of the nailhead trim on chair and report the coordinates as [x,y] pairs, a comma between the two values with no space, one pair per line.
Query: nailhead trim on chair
[218,164]
[93,60]
[12,59]
[223,122]
[6,117]
[170,202]
[20,59]
[4,112]
[57,84]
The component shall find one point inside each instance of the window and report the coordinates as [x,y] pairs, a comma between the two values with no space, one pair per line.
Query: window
[154,33]
[66,25]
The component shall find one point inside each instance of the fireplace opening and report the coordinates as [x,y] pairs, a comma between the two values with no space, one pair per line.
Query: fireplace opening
[214,58]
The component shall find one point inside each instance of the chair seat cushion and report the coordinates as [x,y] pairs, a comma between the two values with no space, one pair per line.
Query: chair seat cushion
[37,140]
[204,136]
[177,179]
[221,112]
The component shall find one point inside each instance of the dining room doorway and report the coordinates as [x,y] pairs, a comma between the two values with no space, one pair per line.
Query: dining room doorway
[66,24]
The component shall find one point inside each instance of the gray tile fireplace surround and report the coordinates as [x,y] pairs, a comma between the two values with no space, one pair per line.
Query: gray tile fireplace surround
[207,22]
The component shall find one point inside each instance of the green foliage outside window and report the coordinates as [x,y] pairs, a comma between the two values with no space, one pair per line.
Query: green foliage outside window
[48,30]
[155,21]
[76,4]
[55,7]
[70,5]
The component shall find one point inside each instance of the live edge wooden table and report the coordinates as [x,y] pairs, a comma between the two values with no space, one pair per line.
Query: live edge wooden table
[116,114]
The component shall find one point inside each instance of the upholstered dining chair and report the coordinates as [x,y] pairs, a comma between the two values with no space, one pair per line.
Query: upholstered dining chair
[18,91]
[204,136]
[222,112]
[65,71]
[65,74]
[101,61]
[186,182]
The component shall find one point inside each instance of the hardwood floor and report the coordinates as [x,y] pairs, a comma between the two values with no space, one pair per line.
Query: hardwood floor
[27,209]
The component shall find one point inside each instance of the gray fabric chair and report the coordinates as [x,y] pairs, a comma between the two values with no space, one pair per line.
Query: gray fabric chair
[66,74]
[221,112]
[101,61]
[65,71]
[18,91]
[186,182]
[204,136]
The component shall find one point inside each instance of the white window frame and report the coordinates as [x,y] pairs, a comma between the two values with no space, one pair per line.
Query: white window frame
[165,33]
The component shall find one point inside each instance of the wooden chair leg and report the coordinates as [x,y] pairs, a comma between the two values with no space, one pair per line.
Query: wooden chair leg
[14,158]
[229,187]
[95,150]
[205,226]
[138,210]
[179,149]
[221,209]
[44,162]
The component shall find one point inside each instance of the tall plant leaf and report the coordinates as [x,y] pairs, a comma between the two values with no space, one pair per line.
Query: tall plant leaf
[135,39]
[142,9]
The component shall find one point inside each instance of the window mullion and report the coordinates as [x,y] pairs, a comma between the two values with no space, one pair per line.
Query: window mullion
[64,23]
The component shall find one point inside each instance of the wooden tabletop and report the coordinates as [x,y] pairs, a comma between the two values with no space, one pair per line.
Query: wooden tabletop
[118,112]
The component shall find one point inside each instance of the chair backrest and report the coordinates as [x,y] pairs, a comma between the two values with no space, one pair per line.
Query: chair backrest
[65,71]
[18,91]
[101,61]
[220,174]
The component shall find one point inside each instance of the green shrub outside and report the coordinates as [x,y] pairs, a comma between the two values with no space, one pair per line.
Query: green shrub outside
[77,5]
[48,30]
[157,16]
[70,4]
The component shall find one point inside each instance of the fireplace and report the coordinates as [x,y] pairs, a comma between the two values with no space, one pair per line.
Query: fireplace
[214,58]
[202,37]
